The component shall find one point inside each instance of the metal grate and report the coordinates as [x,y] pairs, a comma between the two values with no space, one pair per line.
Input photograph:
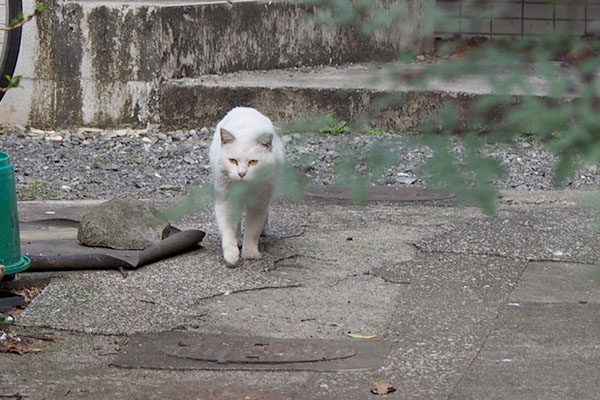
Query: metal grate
[501,18]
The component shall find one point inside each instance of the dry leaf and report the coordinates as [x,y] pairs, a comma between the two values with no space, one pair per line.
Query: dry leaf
[19,349]
[359,336]
[11,343]
[382,387]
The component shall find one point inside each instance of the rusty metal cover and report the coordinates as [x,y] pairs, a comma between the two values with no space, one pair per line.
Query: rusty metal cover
[381,193]
[187,350]
[226,350]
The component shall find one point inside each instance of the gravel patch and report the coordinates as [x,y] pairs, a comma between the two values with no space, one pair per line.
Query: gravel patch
[95,164]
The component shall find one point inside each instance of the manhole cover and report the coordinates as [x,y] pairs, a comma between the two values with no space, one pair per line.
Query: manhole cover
[190,350]
[225,350]
[381,193]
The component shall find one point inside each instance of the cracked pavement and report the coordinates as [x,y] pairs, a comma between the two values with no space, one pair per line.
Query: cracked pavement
[469,306]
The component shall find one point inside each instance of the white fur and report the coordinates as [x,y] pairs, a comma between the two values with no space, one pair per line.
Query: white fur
[253,173]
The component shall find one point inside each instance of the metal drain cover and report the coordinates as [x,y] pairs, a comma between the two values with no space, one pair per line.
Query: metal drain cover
[226,350]
[186,350]
[381,193]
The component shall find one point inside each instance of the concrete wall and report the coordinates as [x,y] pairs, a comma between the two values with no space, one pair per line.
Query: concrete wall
[103,64]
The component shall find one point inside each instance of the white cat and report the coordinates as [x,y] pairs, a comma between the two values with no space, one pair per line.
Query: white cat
[245,154]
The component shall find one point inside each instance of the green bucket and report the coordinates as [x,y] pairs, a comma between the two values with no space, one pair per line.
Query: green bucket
[10,243]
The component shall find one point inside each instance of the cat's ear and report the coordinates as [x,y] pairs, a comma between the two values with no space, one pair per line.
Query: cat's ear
[266,141]
[226,136]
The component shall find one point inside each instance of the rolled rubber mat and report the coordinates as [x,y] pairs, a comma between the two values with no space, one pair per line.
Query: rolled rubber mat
[52,245]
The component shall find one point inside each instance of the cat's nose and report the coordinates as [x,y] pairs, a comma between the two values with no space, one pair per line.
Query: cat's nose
[242,173]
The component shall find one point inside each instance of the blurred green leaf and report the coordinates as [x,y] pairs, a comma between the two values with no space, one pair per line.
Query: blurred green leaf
[39,8]
[564,168]
[198,198]
[17,20]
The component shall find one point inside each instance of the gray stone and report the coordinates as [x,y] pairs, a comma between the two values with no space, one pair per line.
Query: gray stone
[406,180]
[126,224]
[184,149]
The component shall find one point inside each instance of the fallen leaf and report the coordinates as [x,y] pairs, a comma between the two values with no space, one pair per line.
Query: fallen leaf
[11,343]
[359,336]
[382,387]
[18,349]
[580,53]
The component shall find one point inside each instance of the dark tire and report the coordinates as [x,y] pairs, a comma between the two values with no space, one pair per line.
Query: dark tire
[10,41]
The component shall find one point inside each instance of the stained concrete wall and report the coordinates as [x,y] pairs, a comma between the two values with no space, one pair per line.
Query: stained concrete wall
[249,37]
[103,64]
[96,65]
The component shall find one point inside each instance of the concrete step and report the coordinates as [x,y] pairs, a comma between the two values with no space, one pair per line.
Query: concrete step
[102,63]
[347,92]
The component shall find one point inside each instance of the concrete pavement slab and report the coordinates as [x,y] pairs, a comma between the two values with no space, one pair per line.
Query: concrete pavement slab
[329,310]
[446,312]
[538,351]
[154,298]
[449,304]
[554,282]
[553,233]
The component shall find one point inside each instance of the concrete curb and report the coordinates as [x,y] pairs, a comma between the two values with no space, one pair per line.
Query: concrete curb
[380,96]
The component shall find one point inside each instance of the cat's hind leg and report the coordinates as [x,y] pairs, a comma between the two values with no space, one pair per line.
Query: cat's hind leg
[228,220]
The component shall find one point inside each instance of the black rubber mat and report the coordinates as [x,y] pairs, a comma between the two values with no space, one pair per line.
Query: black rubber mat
[10,300]
[52,245]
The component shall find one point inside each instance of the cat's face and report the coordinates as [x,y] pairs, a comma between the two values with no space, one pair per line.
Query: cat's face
[245,160]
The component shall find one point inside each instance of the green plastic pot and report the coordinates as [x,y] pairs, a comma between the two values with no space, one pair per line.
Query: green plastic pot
[10,242]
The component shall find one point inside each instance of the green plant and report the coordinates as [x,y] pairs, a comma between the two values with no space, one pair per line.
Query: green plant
[21,20]
[13,82]
[36,191]
[16,23]
[334,127]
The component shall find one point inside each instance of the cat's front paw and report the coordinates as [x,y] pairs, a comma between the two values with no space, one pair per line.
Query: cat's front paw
[251,253]
[231,254]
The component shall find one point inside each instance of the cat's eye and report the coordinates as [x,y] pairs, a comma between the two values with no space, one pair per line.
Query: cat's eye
[233,161]
[252,162]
